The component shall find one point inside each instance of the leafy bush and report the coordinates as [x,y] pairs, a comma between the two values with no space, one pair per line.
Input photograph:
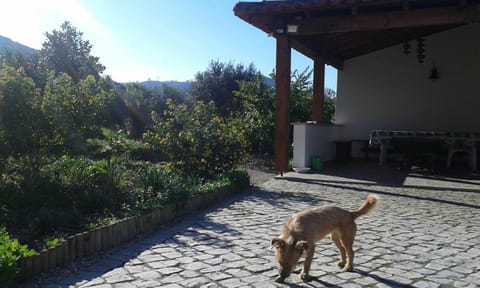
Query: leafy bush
[52,241]
[93,185]
[11,253]
[161,187]
[197,141]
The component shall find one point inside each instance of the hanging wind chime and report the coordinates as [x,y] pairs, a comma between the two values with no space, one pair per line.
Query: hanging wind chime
[420,49]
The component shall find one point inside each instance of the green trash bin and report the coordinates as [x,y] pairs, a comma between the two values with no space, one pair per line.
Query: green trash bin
[317,163]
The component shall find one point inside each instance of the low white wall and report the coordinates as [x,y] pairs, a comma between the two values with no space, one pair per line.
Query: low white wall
[390,90]
[314,140]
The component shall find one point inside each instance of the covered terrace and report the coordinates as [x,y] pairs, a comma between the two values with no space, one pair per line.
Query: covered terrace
[377,89]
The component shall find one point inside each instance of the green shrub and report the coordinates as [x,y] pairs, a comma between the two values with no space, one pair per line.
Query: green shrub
[11,253]
[197,141]
[91,185]
[162,186]
[52,241]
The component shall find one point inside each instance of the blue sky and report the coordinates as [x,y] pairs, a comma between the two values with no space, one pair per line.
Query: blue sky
[151,39]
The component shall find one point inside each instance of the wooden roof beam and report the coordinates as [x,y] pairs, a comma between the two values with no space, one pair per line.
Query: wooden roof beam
[328,57]
[389,20]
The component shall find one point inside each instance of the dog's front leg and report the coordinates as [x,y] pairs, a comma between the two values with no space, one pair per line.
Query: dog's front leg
[308,261]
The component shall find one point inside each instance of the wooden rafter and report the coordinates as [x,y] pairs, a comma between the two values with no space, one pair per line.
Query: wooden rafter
[389,20]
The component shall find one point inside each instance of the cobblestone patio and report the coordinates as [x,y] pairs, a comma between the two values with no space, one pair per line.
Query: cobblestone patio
[418,237]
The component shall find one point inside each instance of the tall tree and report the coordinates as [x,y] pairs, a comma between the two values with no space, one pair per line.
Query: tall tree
[65,51]
[19,118]
[329,106]
[217,84]
[29,63]
[258,112]
[75,111]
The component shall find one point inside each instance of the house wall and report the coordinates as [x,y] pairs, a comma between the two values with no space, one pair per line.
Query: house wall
[390,90]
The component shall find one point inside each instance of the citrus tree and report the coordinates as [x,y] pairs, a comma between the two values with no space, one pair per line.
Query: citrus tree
[197,140]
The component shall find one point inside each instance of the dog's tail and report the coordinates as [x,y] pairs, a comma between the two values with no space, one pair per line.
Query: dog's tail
[369,204]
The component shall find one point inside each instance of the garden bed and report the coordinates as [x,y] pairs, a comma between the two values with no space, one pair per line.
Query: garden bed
[110,236]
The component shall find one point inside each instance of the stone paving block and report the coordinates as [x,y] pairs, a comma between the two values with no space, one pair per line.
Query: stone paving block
[146,284]
[351,285]
[124,285]
[348,275]
[168,270]
[256,279]
[237,264]
[148,275]
[196,266]
[118,279]
[238,273]
[211,269]
[136,269]
[232,282]
[217,276]
[174,285]
[173,278]
[155,265]
[101,286]
[189,274]
[195,282]
[426,284]
[365,281]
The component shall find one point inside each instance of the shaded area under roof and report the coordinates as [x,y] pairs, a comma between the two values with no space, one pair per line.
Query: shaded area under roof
[337,30]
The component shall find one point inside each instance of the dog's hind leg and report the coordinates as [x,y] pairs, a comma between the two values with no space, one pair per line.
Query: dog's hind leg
[347,237]
[336,239]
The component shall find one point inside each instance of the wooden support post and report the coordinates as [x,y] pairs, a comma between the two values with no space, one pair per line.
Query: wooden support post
[282,97]
[318,89]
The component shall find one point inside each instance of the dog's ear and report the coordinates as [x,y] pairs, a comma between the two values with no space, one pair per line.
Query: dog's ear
[301,245]
[277,243]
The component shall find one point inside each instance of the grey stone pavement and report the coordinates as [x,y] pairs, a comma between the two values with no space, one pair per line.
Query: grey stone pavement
[424,233]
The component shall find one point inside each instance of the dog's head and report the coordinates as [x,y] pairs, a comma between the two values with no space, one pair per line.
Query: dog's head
[287,255]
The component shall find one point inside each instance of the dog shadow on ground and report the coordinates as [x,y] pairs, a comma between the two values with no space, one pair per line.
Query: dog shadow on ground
[316,281]
[388,282]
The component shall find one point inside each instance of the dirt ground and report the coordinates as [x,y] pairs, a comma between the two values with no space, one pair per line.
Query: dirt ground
[260,169]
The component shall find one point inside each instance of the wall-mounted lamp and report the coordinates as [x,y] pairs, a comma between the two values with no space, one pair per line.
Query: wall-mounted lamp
[434,73]
[292,28]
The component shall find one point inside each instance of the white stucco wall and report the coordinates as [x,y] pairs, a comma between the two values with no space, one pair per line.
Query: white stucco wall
[390,90]
[311,140]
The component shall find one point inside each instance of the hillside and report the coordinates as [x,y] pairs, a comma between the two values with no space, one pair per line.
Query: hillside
[177,85]
[12,46]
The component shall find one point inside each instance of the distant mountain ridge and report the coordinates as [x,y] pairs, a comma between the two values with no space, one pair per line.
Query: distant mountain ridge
[181,86]
[12,46]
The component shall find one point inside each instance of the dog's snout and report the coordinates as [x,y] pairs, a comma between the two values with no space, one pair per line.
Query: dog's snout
[285,271]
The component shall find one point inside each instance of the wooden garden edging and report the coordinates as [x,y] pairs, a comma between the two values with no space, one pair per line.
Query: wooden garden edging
[110,236]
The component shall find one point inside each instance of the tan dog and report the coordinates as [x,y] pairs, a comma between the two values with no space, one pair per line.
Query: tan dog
[302,230]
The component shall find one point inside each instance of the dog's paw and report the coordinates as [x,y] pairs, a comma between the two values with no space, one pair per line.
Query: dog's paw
[348,269]
[304,276]
[341,264]
[280,279]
